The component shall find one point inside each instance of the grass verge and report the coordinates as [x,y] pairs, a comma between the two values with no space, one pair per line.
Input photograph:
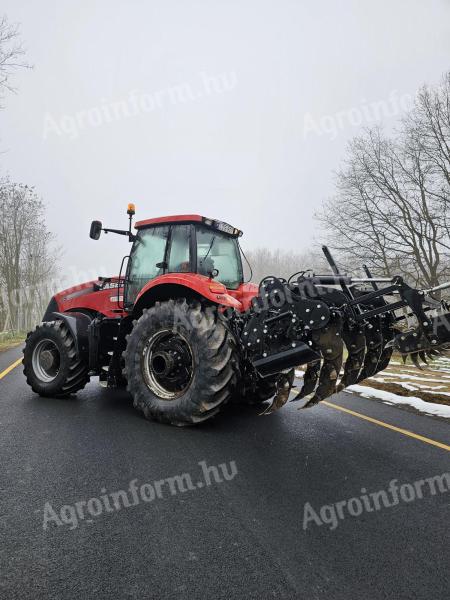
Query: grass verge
[11,339]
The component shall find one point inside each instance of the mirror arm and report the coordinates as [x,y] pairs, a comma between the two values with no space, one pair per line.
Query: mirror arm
[130,235]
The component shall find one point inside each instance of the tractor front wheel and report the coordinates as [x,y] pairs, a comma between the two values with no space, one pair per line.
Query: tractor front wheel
[180,362]
[51,362]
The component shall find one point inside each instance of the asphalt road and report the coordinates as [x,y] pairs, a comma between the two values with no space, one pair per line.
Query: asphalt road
[239,538]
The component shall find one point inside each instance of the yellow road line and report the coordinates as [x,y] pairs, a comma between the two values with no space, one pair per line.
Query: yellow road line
[10,368]
[331,405]
[388,426]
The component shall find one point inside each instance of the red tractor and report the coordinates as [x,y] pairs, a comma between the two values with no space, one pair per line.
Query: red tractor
[185,334]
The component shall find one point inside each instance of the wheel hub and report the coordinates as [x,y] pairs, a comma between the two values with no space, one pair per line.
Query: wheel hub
[163,363]
[167,364]
[46,360]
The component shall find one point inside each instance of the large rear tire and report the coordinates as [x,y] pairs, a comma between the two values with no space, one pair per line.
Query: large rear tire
[51,363]
[180,362]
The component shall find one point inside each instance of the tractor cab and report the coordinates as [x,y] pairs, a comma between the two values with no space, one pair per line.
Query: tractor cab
[187,244]
[189,251]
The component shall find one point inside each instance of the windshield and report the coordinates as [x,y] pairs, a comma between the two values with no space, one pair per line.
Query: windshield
[216,250]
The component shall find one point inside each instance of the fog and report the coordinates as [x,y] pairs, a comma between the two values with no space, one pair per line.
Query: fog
[240,111]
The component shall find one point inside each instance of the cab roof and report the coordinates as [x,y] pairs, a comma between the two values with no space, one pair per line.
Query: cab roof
[169,219]
[215,224]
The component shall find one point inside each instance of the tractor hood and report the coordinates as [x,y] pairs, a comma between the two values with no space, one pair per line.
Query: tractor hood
[103,295]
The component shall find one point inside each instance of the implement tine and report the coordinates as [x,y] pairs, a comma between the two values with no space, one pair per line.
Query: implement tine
[309,380]
[374,345]
[385,357]
[423,356]
[355,342]
[415,360]
[282,396]
[329,342]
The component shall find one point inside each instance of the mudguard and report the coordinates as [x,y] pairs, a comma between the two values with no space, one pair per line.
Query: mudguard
[78,324]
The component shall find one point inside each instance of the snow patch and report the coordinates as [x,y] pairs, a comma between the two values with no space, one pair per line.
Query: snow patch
[429,408]
[415,377]
[408,386]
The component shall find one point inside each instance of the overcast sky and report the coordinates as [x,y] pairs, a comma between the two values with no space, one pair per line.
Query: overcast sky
[238,110]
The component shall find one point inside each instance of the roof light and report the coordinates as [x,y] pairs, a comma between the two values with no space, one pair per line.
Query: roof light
[131,209]
[222,226]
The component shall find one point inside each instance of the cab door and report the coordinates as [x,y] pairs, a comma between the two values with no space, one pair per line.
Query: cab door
[148,259]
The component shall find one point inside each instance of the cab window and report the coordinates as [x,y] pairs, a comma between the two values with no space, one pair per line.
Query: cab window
[217,250]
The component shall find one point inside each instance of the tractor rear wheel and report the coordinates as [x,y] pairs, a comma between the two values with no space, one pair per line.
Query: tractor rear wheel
[180,362]
[51,363]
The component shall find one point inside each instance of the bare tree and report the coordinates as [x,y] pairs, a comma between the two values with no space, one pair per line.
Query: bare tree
[11,54]
[281,263]
[427,129]
[391,207]
[26,259]
[26,256]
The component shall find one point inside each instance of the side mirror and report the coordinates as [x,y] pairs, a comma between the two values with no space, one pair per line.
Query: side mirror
[96,229]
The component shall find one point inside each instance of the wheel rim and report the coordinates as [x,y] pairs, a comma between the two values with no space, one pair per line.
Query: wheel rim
[167,364]
[46,360]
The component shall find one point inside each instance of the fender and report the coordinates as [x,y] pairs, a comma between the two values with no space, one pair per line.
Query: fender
[78,324]
[204,286]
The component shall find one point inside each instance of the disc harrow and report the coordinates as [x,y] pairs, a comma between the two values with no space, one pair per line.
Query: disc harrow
[312,320]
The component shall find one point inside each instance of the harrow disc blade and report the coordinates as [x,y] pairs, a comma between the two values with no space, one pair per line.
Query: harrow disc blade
[423,356]
[284,386]
[355,342]
[310,402]
[434,352]
[385,358]
[330,344]
[309,380]
[414,358]
[374,346]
